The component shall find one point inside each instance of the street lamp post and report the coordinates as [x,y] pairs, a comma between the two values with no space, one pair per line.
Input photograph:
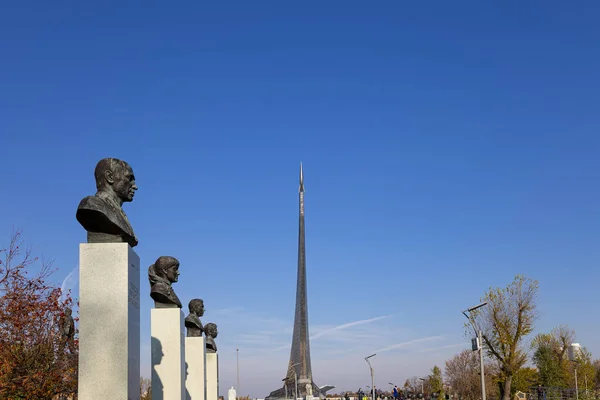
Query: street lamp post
[237,357]
[422,387]
[479,334]
[372,375]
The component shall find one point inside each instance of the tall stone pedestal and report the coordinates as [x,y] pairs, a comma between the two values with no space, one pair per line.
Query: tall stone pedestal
[195,353]
[168,362]
[109,324]
[212,376]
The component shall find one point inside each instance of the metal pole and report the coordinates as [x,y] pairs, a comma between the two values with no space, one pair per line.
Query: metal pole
[372,382]
[372,376]
[482,365]
[480,345]
[296,384]
[237,356]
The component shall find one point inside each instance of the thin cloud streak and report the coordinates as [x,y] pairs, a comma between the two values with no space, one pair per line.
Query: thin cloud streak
[408,343]
[68,283]
[345,326]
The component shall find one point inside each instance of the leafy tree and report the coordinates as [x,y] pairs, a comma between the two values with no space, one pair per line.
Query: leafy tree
[36,360]
[596,365]
[462,375]
[586,372]
[524,379]
[508,317]
[549,356]
[436,382]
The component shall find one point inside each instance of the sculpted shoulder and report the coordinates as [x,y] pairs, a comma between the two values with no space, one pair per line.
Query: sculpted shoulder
[92,214]
[92,203]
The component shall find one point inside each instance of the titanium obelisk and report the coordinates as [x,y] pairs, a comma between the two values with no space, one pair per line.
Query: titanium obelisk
[299,373]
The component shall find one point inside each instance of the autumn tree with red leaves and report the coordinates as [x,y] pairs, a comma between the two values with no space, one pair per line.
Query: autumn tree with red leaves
[37,360]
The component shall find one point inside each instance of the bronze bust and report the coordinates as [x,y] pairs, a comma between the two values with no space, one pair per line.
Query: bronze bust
[211,332]
[102,215]
[192,321]
[162,274]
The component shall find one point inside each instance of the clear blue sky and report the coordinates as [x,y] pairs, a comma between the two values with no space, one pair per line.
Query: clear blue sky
[447,147]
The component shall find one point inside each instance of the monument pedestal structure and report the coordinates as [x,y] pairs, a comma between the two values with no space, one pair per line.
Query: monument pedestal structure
[212,376]
[168,355]
[195,355]
[109,325]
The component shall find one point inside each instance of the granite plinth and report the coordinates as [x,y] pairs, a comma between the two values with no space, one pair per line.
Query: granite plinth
[212,376]
[168,356]
[109,322]
[195,353]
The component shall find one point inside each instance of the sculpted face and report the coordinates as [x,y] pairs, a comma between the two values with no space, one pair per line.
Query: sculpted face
[211,329]
[199,309]
[124,182]
[172,273]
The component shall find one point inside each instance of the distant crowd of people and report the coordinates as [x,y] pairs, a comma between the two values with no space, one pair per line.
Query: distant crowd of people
[396,394]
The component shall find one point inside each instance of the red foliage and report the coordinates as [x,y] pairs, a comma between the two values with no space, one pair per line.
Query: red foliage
[36,361]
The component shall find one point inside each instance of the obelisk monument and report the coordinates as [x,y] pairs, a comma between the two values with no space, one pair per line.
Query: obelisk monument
[299,373]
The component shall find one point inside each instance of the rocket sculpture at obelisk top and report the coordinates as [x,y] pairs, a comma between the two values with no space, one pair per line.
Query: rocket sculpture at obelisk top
[299,373]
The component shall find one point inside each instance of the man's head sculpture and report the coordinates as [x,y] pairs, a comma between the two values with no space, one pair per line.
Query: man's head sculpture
[192,321]
[102,215]
[196,307]
[162,274]
[211,332]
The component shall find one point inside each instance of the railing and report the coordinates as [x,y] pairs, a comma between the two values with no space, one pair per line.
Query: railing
[558,393]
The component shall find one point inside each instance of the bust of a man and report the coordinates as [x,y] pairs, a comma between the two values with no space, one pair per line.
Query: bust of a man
[192,321]
[211,332]
[162,274]
[102,215]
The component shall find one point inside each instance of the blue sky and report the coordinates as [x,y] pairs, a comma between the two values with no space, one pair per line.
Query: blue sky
[447,147]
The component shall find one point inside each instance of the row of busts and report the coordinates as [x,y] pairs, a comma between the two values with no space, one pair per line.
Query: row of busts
[161,275]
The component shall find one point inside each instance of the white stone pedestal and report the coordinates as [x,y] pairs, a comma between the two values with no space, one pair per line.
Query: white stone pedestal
[212,376]
[195,353]
[109,322]
[168,362]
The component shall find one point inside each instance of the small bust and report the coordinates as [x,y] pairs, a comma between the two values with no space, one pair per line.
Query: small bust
[102,215]
[192,321]
[162,274]
[211,332]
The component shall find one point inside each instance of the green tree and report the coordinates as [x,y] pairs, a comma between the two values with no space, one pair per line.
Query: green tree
[436,382]
[596,365]
[586,372]
[508,317]
[549,356]
[524,379]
